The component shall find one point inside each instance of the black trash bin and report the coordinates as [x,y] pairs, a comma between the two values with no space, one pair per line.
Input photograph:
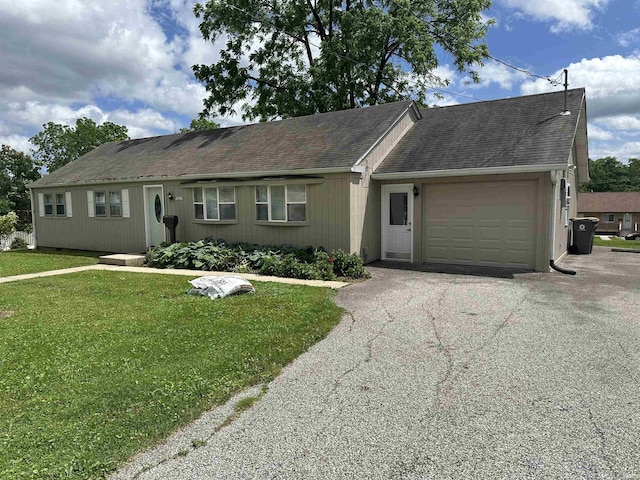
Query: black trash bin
[584,229]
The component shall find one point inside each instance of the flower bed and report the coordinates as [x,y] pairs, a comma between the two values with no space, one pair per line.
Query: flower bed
[313,263]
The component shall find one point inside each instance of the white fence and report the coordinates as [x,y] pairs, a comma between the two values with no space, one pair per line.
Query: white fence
[5,243]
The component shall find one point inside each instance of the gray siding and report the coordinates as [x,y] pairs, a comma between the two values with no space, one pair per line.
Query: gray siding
[327,222]
[123,235]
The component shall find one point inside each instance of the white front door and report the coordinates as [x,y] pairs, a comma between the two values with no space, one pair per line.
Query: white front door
[153,212]
[397,222]
[626,221]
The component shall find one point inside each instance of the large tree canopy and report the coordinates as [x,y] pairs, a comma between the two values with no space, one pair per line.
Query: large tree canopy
[16,171]
[287,58]
[56,145]
[608,174]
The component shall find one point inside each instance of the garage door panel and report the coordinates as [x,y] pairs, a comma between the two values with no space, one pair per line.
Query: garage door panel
[492,223]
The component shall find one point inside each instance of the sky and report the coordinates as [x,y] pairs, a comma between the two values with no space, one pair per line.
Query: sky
[129,62]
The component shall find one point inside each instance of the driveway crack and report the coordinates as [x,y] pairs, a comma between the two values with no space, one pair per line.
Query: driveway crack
[602,441]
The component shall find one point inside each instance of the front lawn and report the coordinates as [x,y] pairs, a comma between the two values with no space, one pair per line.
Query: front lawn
[20,262]
[96,366]
[616,242]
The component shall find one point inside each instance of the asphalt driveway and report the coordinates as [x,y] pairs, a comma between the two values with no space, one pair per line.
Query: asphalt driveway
[448,376]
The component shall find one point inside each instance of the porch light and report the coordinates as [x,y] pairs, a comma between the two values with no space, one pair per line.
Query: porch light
[416,192]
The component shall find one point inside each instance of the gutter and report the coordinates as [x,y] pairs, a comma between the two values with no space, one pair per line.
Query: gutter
[460,172]
[552,241]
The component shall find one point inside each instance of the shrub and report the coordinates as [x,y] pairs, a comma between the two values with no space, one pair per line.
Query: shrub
[281,261]
[8,224]
[18,243]
[348,265]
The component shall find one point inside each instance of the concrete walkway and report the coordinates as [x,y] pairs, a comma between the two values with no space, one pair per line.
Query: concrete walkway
[169,271]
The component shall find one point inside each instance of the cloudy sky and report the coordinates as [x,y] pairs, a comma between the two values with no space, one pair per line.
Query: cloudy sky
[129,62]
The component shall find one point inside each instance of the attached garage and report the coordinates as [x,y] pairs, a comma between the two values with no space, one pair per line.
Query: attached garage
[484,223]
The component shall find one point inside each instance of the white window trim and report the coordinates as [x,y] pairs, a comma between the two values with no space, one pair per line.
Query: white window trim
[125,209]
[607,217]
[204,205]
[53,204]
[287,202]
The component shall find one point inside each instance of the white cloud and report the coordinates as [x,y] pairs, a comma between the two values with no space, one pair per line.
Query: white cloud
[611,84]
[565,14]
[622,151]
[628,38]
[17,142]
[621,122]
[493,72]
[597,133]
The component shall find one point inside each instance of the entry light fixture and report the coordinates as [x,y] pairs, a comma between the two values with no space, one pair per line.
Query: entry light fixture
[416,192]
[169,196]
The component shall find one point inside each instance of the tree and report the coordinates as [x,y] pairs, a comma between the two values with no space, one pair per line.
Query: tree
[608,174]
[56,145]
[17,169]
[287,58]
[199,124]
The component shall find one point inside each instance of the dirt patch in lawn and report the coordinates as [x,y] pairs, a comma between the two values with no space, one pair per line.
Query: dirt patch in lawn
[6,313]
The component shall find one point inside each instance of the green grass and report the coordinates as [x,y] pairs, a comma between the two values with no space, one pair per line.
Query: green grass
[19,262]
[617,243]
[96,366]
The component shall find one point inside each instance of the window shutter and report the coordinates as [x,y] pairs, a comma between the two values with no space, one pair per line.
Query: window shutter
[91,208]
[125,204]
[41,204]
[67,196]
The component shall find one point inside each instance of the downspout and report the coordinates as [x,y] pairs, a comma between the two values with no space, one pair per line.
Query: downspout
[33,219]
[552,241]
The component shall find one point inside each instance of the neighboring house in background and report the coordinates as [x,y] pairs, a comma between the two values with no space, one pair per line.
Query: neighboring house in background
[619,212]
[482,183]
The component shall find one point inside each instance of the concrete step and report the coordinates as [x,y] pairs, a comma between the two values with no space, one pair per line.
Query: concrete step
[123,260]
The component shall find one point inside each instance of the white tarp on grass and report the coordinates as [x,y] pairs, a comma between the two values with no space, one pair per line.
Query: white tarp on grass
[218,287]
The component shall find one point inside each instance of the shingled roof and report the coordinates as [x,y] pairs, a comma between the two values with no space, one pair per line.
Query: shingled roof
[334,140]
[609,202]
[520,131]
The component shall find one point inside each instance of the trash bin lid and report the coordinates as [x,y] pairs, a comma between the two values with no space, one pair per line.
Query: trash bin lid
[585,219]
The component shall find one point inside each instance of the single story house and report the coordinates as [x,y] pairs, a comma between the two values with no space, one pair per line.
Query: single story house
[485,183]
[619,212]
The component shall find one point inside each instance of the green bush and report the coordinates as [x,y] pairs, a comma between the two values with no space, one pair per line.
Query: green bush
[348,265]
[8,224]
[282,261]
[18,243]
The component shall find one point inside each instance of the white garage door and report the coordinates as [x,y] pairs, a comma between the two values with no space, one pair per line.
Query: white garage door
[488,223]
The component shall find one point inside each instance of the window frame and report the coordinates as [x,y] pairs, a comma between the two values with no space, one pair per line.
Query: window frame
[107,204]
[109,207]
[50,204]
[63,204]
[609,215]
[203,202]
[287,202]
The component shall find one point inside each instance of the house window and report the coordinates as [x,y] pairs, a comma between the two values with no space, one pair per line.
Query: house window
[281,203]
[60,209]
[101,204]
[215,204]
[48,204]
[115,204]
[609,217]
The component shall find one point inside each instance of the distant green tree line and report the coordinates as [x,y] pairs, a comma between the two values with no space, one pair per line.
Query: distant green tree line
[608,174]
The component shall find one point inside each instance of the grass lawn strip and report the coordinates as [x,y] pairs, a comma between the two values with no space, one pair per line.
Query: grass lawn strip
[615,242]
[21,262]
[96,366]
